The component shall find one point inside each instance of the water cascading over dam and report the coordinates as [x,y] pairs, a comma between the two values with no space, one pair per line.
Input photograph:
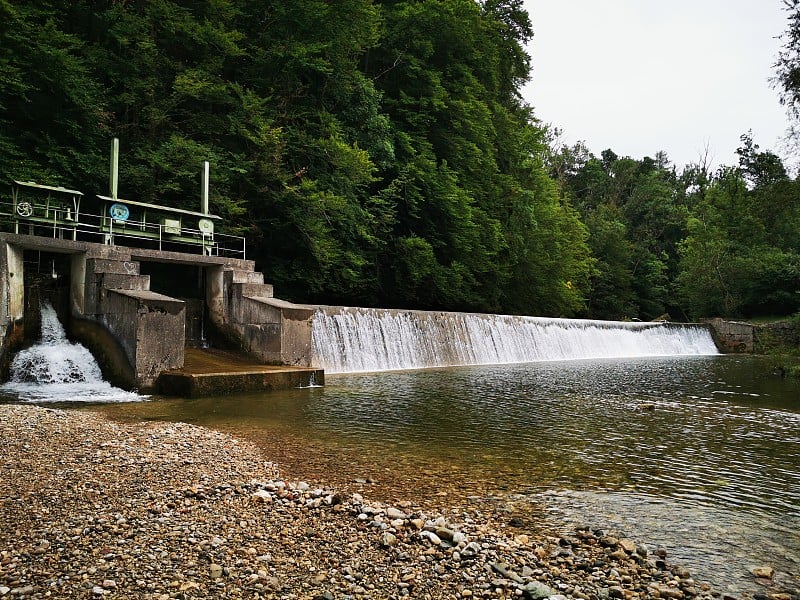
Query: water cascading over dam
[57,370]
[347,340]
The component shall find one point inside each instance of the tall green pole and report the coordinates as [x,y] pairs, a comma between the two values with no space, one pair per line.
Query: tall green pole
[114,168]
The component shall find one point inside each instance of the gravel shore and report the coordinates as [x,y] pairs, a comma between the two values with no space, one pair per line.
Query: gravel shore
[91,508]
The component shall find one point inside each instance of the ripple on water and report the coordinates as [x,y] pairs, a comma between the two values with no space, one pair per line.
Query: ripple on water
[720,545]
[714,473]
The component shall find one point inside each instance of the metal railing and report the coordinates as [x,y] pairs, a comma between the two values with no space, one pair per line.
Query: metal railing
[58,222]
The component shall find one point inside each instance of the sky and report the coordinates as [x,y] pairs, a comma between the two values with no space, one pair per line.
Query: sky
[639,76]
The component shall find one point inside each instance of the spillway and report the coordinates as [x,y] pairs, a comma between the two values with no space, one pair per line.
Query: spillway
[347,340]
[57,370]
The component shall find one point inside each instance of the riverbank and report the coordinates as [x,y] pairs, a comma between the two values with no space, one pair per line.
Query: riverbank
[93,508]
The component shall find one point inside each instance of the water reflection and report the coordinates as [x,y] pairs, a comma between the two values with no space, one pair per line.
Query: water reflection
[682,447]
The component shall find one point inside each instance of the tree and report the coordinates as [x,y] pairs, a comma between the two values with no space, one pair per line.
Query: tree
[760,169]
[372,151]
[612,294]
[53,116]
[732,263]
[787,67]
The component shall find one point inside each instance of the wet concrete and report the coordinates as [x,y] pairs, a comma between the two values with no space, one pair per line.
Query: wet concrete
[212,372]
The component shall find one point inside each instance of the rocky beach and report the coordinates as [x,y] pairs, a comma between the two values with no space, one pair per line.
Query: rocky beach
[92,508]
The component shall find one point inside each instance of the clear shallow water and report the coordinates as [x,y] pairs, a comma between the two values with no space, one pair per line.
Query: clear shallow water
[699,454]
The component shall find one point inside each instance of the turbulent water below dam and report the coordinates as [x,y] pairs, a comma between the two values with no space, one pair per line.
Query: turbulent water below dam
[57,370]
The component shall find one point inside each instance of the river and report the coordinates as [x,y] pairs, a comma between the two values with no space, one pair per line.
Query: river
[699,455]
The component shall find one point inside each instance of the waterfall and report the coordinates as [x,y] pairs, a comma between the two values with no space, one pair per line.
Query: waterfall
[56,370]
[358,339]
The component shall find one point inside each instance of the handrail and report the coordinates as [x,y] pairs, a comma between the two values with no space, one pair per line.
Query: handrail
[59,223]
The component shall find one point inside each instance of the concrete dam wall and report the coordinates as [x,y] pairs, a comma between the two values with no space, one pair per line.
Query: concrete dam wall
[139,326]
[349,339]
[137,332]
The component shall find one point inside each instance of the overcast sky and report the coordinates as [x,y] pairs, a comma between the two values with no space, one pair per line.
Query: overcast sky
[639,76]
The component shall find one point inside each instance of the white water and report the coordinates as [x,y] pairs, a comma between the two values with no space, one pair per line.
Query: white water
[347,340]
[56,370]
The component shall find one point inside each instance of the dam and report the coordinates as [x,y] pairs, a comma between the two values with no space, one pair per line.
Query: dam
[164,301]
[168,304]
[152,316]
[347,340]
[142,312]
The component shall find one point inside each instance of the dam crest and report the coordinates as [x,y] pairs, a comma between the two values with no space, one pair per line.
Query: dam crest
[357,339]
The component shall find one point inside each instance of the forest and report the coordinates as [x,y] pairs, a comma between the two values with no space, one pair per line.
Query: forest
[379,153]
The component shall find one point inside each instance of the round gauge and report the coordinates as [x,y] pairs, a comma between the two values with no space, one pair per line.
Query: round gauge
[206,226]
[119,212]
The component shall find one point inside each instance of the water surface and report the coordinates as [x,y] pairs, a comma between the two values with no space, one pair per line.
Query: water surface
[697,454]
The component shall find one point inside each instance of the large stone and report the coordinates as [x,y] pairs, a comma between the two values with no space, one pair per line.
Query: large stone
[763,572]
[215,571]
[537,591]
[431,537]
[262,496]
[471,550]
[665,591]
[503,570]
[394,513]
[445,533]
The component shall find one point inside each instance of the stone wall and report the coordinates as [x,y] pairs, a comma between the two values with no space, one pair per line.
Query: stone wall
[733,336]
[780,337]
[740,337]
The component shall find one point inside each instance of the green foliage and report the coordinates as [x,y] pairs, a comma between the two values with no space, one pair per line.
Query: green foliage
[52,112]
[636,220]
[732,262]
[787,66]
[692,245]
[612,295]
[378,152]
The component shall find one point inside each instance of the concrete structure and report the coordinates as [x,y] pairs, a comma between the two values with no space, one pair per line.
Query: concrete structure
[767,338]
[137,333]
[215,373]
[733,336]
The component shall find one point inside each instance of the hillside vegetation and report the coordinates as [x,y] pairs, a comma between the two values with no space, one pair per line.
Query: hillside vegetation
[380,153]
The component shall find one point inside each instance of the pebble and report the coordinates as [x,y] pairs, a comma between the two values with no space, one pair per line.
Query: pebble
[215,571]
[163,510]
[394,513]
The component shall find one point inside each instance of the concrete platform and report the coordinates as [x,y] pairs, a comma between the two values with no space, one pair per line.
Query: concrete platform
[214,372]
